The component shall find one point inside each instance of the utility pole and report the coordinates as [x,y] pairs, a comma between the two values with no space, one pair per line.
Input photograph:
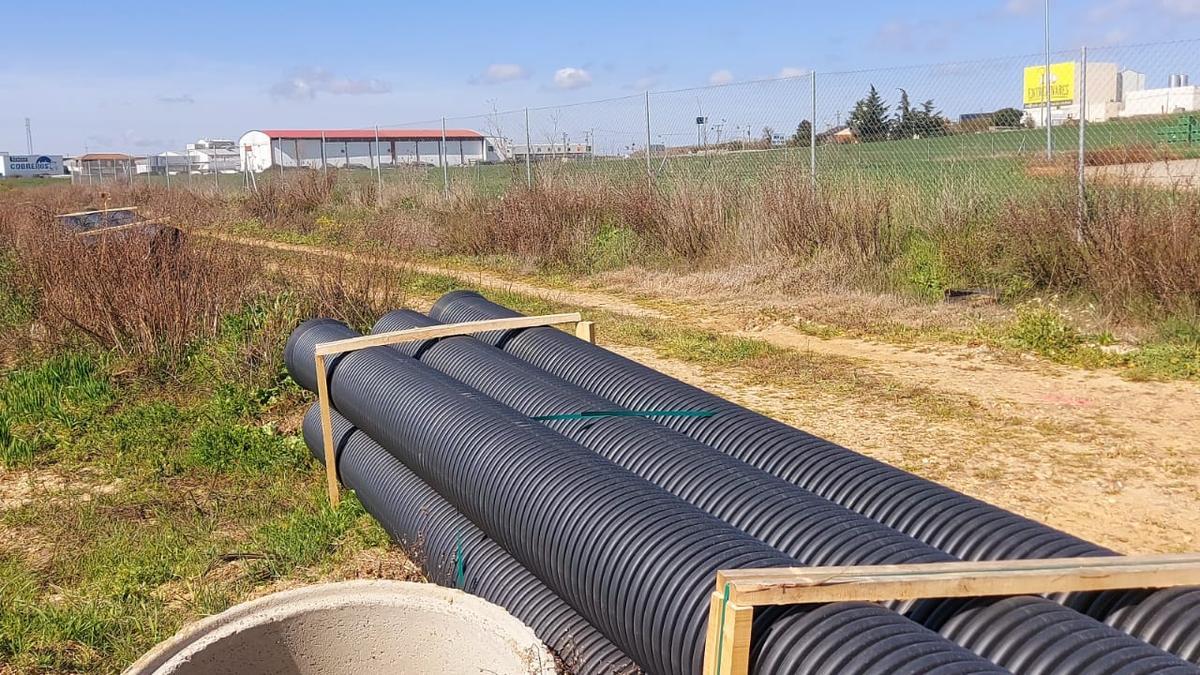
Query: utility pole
[528,152]
[649,169]
[812,134]
[1046,77]
[28,138]
[1083,60]
[378,167]
[445,169]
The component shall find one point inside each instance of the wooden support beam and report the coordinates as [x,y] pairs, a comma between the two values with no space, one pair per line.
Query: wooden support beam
[729,623]
[325,349]
[726,651]
[444,330]
[872,583]
[90,213]
[586,330]
[331,479]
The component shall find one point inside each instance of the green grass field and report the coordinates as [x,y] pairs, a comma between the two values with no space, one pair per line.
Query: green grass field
[993,162]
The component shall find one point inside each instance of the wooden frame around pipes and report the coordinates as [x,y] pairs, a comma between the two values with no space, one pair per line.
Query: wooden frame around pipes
[738,592]
[584,330]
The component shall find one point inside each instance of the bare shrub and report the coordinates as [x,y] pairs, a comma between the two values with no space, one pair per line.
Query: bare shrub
[1139,247]
[688,221]
[290,194]
[853,220]
[133,292]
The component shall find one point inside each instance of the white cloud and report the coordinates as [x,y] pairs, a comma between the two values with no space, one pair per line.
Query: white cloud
[1020,6]
[572,78]
[722,76]
[182,98]
[792,71]
[644,83]
[1182,7]
[501,72]
[306,83]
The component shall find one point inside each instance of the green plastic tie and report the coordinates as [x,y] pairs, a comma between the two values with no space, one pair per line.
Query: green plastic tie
[589,414]
[459,566]
[721,629]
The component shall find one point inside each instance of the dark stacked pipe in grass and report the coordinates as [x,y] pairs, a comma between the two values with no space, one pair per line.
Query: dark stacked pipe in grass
[948,520]
[632,559]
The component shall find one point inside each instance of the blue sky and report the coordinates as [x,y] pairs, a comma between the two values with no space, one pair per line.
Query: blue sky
[143,77]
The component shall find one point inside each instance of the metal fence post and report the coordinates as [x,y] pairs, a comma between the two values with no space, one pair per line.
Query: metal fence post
[378,169]
[445,169]
[1046,77]
[649,167]
[528,153]
[1083,113]
[812,133]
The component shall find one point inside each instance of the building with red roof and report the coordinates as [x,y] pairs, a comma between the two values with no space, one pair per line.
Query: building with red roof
[365,148]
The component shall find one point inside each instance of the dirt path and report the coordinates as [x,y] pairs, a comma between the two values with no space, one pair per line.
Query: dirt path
[479,278]
[1110,459]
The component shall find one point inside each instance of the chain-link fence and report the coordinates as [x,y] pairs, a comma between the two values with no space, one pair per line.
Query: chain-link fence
[998,125]
[1129,111]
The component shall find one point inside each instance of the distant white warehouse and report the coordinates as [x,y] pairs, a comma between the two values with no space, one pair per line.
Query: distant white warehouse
[316,148]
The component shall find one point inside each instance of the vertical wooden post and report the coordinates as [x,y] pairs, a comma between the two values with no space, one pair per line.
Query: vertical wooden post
[331,481]
[586,330]
[727,647]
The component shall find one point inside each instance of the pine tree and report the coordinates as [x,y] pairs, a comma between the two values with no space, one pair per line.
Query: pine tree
[929,121]
[869,120]
[803,136]
[904,126]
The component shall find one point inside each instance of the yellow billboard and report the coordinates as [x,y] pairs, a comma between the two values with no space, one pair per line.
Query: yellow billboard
[1062,84]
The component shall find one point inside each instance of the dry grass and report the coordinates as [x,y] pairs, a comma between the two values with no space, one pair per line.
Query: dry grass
[1137,259]
[294,194]
[1129,154]
[1137,251]
[143,294]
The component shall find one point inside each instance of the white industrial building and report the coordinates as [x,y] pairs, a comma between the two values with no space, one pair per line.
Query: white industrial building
[549,151]
[163,163]
[209,155]
[364,148]
[1185,98]
[1112,92]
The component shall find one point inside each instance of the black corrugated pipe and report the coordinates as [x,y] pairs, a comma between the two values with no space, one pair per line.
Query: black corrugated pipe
[631,558]
[962,526]
[812,530]
[438,537]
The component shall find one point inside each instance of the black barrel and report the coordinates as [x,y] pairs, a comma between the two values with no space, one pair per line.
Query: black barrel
[453,552]
[962,526]
[812,530]
[635,561]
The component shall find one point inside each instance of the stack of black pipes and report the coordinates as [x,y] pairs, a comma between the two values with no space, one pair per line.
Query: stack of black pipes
[659,511]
